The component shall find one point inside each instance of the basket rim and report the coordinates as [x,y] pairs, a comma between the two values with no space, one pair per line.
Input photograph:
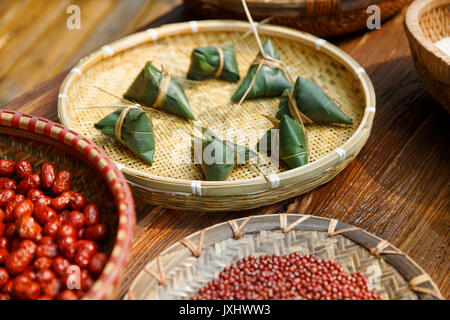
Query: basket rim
[360,236]
[105,285]
[415,10]
[241,186]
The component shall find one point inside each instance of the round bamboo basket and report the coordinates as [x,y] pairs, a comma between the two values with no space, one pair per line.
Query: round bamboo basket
[426,22]
[181,270]
[38,140]
[323,18]
[173,180]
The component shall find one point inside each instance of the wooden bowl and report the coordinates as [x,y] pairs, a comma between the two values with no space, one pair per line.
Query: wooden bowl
[426,22]
[323,18]
[173,180]
[95,176]
[186,266]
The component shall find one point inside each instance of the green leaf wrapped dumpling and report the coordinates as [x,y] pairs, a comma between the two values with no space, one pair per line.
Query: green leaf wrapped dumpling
[270,80]
[290,140]
[133,128]
[217,157]
[157,89]
[213,62]
[312,102]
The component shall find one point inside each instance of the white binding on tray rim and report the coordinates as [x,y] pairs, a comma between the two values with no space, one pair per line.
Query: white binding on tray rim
[341,153]
[196,187]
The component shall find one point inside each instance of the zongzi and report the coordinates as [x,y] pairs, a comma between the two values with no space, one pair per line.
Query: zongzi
[265,78]
[287,142]
[217,157]
[213,62]
[157,89]
[312,102]
[132,127]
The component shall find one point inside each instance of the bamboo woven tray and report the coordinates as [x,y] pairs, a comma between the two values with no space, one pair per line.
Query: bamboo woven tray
[186,266]
[323,18]
[176,183]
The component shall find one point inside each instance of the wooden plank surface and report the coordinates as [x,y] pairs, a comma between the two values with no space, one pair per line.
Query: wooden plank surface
[397,187]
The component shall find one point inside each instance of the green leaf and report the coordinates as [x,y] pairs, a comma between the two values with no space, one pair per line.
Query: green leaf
[269,82]
[313,102]
[290,140]
[144,90]
[137,132]
[220,157]
[206,61]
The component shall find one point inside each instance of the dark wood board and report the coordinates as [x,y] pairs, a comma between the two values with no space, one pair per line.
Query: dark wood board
[397,187]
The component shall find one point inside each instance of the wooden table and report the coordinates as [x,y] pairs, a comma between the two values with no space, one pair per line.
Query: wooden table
[397,187]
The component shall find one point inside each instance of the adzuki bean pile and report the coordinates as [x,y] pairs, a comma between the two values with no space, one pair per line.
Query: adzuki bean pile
[49,235]
[286,277]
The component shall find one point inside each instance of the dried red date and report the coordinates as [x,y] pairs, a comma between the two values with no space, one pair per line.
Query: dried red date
[6,195]
[42,262]
[60,265]
[97,263]
[77,201]
[43,201]
[62,182]
[85,251]
[7,183]
[34,194]
[17,261]
[29,182]
[10,230]
[26,289]
[67,295]
[2,215]
[28,228]
[91,214]
[9,210]
[4,243]
[47,240]
[23,168]
[47,250]
[48,175]
[3,255]
[28,245]
[76,219]
[7,167]
[68,247]
[61,202]
[23,208]
[96,232]
[52,227]
[44,214]
[4,277]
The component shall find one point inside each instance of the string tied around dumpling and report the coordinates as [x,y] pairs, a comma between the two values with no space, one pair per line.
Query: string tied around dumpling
[221,63]
[263,59]
[162,89]
[120,121]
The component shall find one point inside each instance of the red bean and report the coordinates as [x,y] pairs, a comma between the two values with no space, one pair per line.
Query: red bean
[91,214]
[7,183]
[7,167]
[23,168]
[62,182]
[96,232]
[48,175]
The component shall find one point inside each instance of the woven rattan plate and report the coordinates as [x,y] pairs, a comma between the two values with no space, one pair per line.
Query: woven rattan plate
[173,180]
[186,266]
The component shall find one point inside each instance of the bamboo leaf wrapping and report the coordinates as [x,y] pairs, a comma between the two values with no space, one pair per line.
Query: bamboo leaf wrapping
[313,102]
[290,140]
[145,89]
[136,132]
[205,63]
[269,82]
[219,157]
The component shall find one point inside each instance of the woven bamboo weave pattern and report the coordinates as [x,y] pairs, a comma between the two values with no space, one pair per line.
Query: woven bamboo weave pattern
[210,101]
[185,274]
